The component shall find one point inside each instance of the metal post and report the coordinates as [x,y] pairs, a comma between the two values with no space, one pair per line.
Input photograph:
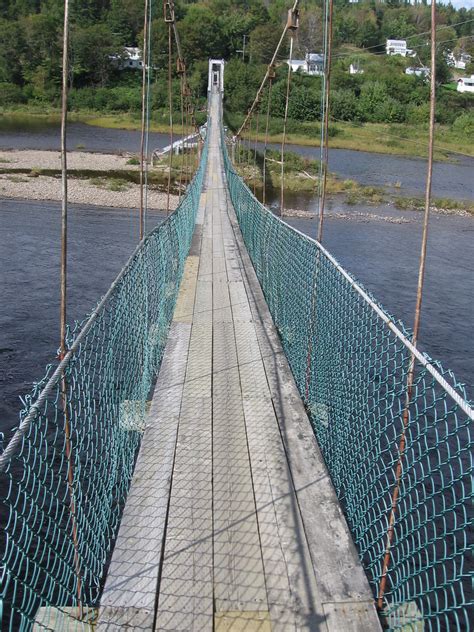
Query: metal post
[142,140]
[170,101]
[64,209]
[416,325]
[264,193]
[282,189]
[326,125]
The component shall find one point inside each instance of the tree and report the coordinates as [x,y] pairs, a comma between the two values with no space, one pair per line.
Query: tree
[201,35]
[309,36]
[263,42]
[92,48]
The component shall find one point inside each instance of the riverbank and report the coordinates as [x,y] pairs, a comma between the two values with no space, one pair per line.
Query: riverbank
[301,180]
[95,179]
[383,138]
[392,139]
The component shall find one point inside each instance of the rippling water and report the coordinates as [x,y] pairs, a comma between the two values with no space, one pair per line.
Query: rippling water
[19,133]
[100,242]
[450,179]
[382,255]
[385,257]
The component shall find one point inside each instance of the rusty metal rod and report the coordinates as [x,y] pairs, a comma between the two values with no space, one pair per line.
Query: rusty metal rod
[283,141]
[326,125]
[170,105]
[416,325]
[142,139]
[63,309]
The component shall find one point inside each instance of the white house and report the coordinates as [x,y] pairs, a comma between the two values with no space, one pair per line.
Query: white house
[422,71]
[398,47]
[460,62]
[312,64]
[466,84]
[130,58]
[355,69]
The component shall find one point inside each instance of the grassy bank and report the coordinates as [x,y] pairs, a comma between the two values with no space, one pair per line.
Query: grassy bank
[398,139]
[301,175]
[127,121]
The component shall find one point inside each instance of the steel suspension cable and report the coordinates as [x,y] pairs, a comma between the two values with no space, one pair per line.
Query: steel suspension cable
[181,84]
[323,104]
[255,151]
[170,105]
[291,22]
[283,141]
[147,114]
[63,309]
[416,325]
[321,184]
[142,139]
[327,82]
[269,96]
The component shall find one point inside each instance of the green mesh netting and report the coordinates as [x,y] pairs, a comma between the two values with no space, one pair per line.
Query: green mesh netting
[108,378]
[351,367]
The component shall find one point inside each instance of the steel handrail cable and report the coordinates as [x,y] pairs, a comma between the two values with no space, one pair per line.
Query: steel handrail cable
[390,322]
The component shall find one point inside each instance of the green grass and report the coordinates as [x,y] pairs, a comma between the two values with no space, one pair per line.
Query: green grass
[445,204]
[401,139]
[393,138]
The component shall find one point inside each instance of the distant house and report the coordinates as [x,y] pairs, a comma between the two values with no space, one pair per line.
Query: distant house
[459,61]
[398,47]
[466,84]
[355,69]
[130,58]
[421,71]
[312,64]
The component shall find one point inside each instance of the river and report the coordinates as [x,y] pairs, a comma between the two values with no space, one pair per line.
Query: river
[31,133]
[100,242]
[382,254]
[406,175]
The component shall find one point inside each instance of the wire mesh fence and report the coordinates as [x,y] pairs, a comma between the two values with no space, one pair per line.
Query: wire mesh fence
[400,462]
[65,472]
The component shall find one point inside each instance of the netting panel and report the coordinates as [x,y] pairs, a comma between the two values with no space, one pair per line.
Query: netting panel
[107,384]
[351,371]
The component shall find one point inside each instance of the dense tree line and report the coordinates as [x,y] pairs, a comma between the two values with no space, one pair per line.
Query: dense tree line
[245,33]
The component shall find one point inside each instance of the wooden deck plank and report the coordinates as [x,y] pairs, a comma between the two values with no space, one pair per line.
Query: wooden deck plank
[252,536]
[339,575]
[129,595]
[185,598]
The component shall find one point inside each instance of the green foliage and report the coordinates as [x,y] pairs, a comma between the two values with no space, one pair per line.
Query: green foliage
[31,48]
[201,34]
[10,94]
[241,83]
[119,99]
[464,124]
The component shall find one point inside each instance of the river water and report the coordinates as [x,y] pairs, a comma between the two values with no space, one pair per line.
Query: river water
[382,254]
[18,133]
[100,242]
[450,179]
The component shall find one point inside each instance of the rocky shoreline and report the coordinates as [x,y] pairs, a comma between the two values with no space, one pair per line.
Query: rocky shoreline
[21,178]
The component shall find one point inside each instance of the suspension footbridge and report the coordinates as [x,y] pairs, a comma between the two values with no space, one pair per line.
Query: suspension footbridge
[237,437]
[253,488]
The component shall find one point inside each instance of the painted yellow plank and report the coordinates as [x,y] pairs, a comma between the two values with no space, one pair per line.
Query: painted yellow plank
[183,312]
[242,621]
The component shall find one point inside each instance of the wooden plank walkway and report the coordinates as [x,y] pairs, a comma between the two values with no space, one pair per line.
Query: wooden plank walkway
[231,523]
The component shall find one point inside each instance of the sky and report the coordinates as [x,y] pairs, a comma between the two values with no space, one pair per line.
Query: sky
[468,4]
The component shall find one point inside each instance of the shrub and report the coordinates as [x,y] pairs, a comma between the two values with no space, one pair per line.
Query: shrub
[343,105]
[10,94]
[464,124]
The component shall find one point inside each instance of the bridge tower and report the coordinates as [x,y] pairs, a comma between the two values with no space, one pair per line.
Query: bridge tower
[216,76]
